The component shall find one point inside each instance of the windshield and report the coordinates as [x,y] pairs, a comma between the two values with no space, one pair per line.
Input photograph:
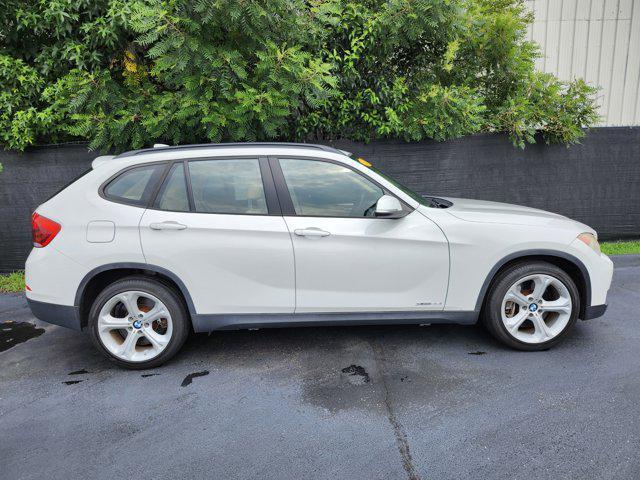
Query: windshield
[432,202]
[416,196]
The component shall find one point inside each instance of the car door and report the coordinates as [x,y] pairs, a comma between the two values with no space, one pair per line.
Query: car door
[216,224]
[346,258]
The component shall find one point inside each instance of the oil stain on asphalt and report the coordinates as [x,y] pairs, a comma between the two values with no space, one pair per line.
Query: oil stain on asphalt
[340,388]
[76,372]
[189,378]
[14,333]
[356,375]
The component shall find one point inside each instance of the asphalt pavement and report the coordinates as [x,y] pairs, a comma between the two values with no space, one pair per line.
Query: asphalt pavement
[439,402]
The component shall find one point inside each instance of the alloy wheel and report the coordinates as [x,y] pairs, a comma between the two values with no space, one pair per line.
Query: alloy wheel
[135,326]
[536,308]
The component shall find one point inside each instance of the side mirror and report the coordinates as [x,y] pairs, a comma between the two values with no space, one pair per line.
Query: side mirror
[388,206]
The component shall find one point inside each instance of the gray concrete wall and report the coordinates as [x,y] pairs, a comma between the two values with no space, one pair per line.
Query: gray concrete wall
[597,182]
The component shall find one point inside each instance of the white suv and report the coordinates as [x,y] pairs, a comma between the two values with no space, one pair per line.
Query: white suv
[154,243]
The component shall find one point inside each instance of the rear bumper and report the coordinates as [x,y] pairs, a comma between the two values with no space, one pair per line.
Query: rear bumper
[63,315]
[594,311]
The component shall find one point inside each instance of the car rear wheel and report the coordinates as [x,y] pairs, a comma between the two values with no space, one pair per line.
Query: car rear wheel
[531,306]
[138,323]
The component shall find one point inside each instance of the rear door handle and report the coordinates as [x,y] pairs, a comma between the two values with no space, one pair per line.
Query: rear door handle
[170,225]
[311,232]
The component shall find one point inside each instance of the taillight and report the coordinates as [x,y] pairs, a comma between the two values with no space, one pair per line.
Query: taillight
[44,230]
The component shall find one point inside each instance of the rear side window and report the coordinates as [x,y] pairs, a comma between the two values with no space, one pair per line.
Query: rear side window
[228,186]
[173,195]
[134,186]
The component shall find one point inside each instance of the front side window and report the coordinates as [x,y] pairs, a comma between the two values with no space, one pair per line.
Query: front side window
[173,195]
[325,189]
[228,186]
[136,185]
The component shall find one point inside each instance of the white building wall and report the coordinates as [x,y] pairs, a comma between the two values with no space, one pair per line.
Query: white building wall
[598,40]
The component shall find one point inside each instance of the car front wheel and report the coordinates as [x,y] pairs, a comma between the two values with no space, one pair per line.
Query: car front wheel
[531,306]
[138,323]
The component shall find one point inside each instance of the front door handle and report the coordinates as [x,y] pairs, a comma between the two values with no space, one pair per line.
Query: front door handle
[311,232]
[170,225]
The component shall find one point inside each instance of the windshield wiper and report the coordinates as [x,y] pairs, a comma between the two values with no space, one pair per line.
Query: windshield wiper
[435,202]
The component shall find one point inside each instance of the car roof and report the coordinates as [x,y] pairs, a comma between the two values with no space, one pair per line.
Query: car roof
[161,148]
[161,153]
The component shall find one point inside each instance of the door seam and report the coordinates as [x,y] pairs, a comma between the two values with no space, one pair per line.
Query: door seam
[295,269]
[144,257]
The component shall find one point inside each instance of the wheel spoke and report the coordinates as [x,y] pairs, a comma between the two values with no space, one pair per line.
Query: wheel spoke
[517,297]
[128,347]
[130,301]
[561,305]
[156,313]
[541,284]
[108,322]
[541,328]
[513,323]
[158,342]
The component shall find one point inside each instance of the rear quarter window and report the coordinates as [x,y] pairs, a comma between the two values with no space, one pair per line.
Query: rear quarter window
[134,186]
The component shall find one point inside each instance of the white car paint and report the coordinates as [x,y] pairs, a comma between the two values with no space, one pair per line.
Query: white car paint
[370,264]
[430,260]
[481,233]
[229,263]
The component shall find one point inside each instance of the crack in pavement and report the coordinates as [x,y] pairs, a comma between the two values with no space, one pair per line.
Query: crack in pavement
[401,437]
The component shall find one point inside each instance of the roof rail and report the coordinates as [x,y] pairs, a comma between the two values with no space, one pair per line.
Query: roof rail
[162,148]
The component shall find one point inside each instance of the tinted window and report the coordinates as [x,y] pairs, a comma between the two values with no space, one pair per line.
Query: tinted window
[134,186]
[173,195]
[329,190]
[228,186]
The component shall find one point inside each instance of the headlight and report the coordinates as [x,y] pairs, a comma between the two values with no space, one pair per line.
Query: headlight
[590,241]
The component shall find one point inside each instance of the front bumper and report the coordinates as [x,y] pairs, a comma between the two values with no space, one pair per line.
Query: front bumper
[63,315]
[599,275]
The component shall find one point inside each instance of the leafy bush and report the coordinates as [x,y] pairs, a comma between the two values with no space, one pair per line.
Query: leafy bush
[124,74]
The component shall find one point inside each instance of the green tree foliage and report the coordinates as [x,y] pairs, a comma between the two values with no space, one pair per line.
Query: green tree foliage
[124,74]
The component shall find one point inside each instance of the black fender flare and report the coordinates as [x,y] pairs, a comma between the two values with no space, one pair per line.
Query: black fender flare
[141,266]
[537,252]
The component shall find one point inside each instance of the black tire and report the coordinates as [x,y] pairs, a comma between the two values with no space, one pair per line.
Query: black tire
[491,312]
[179,317]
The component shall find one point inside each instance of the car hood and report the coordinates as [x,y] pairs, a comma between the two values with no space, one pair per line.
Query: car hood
[495,212]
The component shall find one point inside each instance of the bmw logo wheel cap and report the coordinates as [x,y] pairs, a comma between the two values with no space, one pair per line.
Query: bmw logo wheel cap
[137,324]
[532,307]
